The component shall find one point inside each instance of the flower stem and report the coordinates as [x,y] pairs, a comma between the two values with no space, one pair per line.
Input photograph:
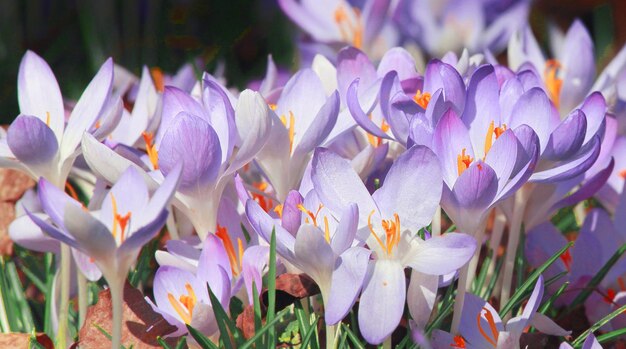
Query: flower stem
[511,248]
[82,297]
[471,270]
[117,300]
[458,300]
[387,343]
[494,244]
[436,225]
[65,296]
[331,331]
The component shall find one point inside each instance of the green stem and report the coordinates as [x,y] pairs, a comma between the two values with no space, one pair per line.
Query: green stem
[494,243]
[82,297]
[65,296]
[387,343]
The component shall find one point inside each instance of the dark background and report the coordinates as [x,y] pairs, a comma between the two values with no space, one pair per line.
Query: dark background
[75,37]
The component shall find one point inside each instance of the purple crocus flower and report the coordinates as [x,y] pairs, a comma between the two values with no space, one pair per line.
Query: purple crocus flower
[112,236]
[211,139]
[481,327]
[389,221]
[304,117]
[182,297]
[338,23]
[39,142]
[452,25]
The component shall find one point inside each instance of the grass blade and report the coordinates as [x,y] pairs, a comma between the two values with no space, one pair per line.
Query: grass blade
[202,340]
[595,281]
[162,343]
[224,323]
[607,337]
[532,279]
[271,292]
[258,317]
[578,341]
[269,326]
[353,338]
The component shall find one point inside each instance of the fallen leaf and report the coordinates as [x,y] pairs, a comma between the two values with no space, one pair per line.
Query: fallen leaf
[13,184]
[141,324]
[21,340]
[290,288]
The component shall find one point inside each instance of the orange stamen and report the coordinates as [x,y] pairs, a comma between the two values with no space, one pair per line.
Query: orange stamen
[153,154]
[273,106]
[458,342]
[463,162]
[222,233]
[157,77]
[265,203]
[622,174]
[350,31]
[185,304]
[377,141]
[279,210]
[491,131]
[119,220]
[566,258]
[392,232]
[70,189]
[493,339]
[309,213]
[553,83]
[610,296]
[422,99]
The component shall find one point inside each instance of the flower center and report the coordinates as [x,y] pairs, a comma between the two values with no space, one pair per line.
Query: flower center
[421,99]
[392,232]
[463,162]
[119,220]
[493,338]
[312,217]
[157,77]
[153,154]
[458,342]
[234,259]
[185,303]
[493,131]
[553,83]
[291,128]
[377,141]
[350,27]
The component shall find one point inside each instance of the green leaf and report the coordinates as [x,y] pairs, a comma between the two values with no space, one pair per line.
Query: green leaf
[494,278]
[353,338]
[309,334]
[578,341]
[595,281]
[520,293]
[548,304]
[480,280]
[607,337]
[225,325]
[258,317]
[202,340]
[163,343]
[271,291]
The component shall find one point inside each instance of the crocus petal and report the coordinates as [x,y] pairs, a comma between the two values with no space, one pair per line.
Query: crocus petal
[595,109]
[129,194]
[352,100]
[568,137]
[24,232]
[174,102]
[263,224]
[86,265]
[399,60]
[545,325]
[579,69]
[88,108]
[38,92]
[214,267]
[412,188]
[481,105]
[321,126]
[588,189]
[32,141]
[442,254]
[476,188]
[535,110]
[103,160]
[140,237]
[253,125]
[346,229]
[569,169]
[221,115]
[314,255]
[533,302]
[193,142]
[421,296]
[439,75]
[502,157]
[450,139]
[254,262]
[382,300]
[346,283]
[309,23]
[353,64]
[338,186]
[292,215]
[54,200]
[472,329]
[53,231]
[93,237]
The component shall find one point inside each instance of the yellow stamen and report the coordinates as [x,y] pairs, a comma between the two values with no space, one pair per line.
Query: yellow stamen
[153,154]
[326,230]
[48,119]
[291,128]
[222,233]
[491,131]
[350,31]
[553,83]
[422,99]
[310,213]
[279,210]
[185,304]
[240,250]
[273,106]
[377,141]
[392,232]
[463,162]
[157,77]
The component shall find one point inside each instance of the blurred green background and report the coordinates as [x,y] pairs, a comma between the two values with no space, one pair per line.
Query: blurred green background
[75,36]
